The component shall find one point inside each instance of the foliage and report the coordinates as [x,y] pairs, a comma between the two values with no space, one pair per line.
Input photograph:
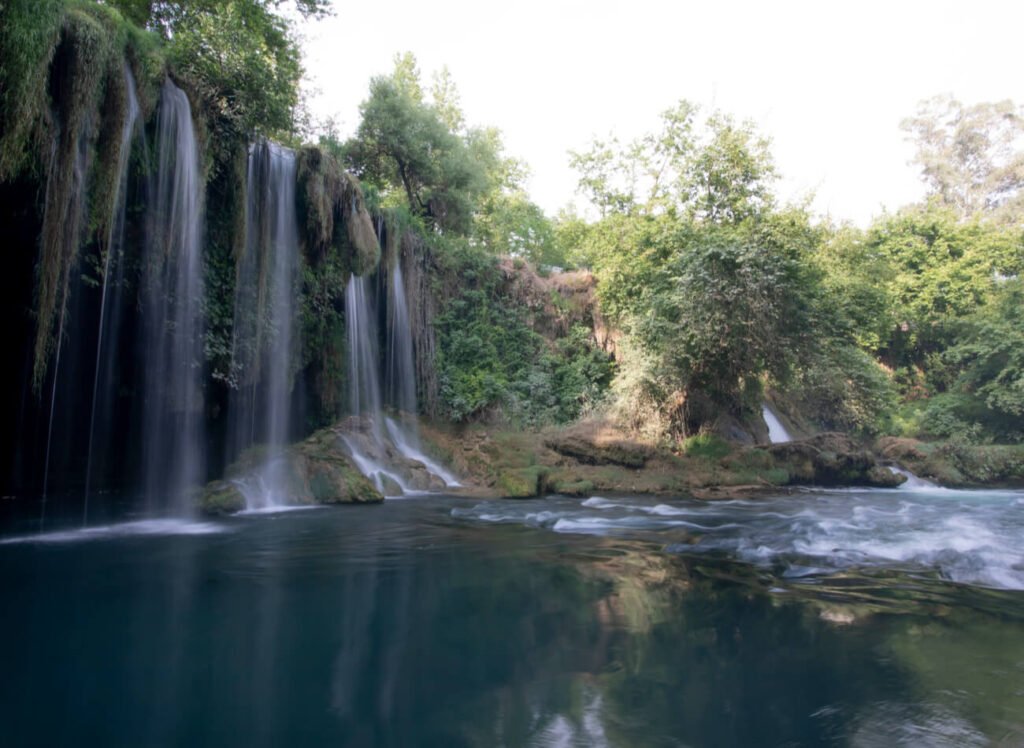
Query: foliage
[403,145]
[29,30]
[329,199]
[938,270]
[489,358]
[720,171]
[988,361]
[708,446]
[455,178]
[972,157]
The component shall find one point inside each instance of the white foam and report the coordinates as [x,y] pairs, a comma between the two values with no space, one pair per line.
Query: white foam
[277,509]
[146,527]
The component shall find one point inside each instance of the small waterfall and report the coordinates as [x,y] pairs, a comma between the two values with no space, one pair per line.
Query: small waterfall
[392,458]
[265,320]
[402,378]
[913,483]
[103,382]
[776,431]
[62,237]
[401,371]
[403,438]
[172,302]
[364,387]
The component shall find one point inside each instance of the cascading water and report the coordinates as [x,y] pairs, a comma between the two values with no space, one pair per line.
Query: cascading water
[393,457]
[172,301]
[402,378]
[368,449]
[776,431]
[264,321]
[913,483]
[364,387]
[103,384]
[401,372]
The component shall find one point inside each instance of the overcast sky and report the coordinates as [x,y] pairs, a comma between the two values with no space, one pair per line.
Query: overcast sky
[828,82]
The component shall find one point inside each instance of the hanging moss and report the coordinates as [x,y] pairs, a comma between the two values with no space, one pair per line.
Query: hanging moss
[360,228]
[330,198]
[104,183]
[76,78]
[29,32]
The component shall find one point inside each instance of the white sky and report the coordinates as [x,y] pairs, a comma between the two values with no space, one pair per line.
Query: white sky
[828,82]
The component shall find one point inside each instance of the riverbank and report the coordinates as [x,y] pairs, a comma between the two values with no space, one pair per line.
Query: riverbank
[596,457]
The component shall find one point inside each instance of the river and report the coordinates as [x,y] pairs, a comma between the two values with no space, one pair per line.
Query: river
[862,618]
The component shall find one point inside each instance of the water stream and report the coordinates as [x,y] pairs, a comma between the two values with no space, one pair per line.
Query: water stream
[173,461]
[111,298]
[385,449]
[265,324]
[777,433]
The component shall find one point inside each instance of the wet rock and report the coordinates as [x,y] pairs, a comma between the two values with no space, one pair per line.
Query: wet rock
[883,477]
[390,486]
[314,471]
[221,497]
[830,459]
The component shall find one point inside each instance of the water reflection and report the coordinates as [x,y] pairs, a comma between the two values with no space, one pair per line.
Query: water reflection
[397,626]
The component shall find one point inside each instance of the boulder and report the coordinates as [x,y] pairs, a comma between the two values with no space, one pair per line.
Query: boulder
[221,497]
[598,444]
[519,483]
[830,459]
[314,471]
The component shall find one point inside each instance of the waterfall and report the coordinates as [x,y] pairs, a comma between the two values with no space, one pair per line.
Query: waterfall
[363,377]
[392,458]
[104,382]
[402,378]
[172,301]
[401,372]
[776,431]
[265,321]
[913,483]
[370,451]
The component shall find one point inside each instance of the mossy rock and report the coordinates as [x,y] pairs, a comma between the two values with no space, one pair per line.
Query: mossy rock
[519,483]
[334,481]
[883,477]
[221,497]
[573,488]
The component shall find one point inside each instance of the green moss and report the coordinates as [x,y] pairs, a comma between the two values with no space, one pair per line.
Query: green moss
[221,497]
[78,72]
[28,40]
[706,445]
[330,200]
[521,483]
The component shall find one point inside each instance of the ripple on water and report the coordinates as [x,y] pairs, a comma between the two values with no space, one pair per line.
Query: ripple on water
[970,537]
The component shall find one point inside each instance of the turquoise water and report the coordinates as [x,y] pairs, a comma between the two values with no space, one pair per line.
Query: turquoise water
[561,622]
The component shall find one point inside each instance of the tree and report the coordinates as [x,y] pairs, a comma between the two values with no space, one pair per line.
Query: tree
[941,270]
[989,361]
[403,145]
[972,157]
[720,171]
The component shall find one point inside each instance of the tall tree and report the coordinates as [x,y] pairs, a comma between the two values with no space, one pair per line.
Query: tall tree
[972,157]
